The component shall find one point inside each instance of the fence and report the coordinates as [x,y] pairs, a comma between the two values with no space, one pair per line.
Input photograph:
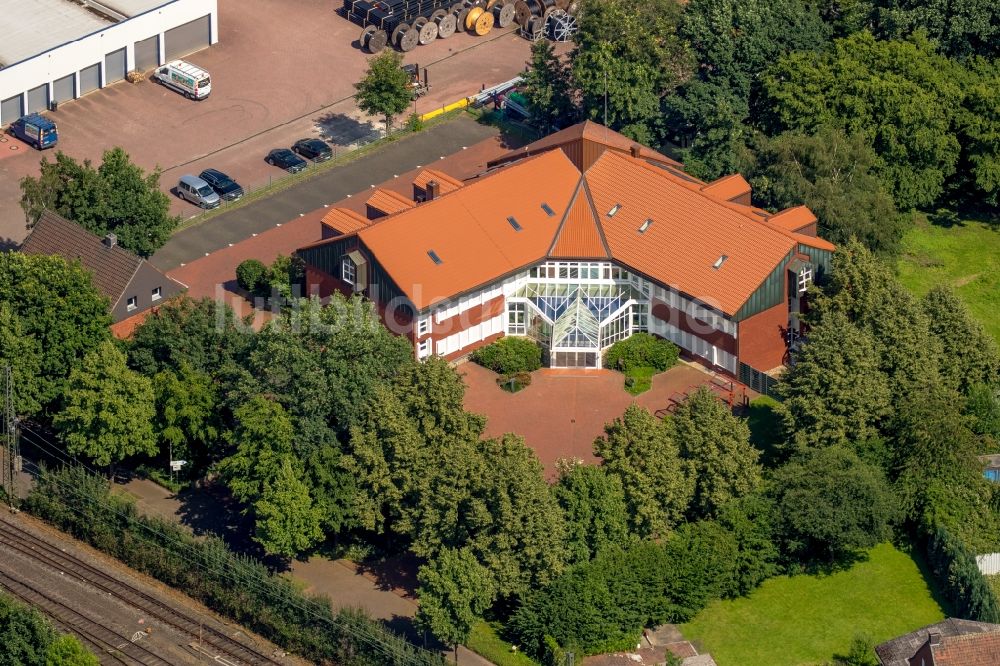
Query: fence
[989,564]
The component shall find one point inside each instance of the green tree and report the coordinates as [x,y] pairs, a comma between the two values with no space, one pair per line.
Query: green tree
[978,126]
[263,437]
[117,197]
[593,504]
[834,175]
[960,27]
[903,97]
[24,356]
[751,521]
[983,409]
[548,87]
[252,275]
[639,449]
[861,652]
[455,590]
[202,332]
[24,634]
[702,560]
[66,650]
[717,444]
[865,290]
[628,54]
[832,506]
[287,522]
[385,90]
[332,488]
[108,409]
[971,353]
[835,392]
[57,307]
[187,411]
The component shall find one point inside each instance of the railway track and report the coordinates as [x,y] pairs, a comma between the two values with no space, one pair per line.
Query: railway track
[230,651]
[104,639]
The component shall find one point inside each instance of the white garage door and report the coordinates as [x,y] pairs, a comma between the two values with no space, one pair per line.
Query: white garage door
[38,98]
[90,78]
[147,53]
[64,88]
[114,66]
[10,110]
[188,38]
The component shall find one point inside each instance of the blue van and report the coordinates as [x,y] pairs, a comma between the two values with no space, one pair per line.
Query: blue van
[36,130]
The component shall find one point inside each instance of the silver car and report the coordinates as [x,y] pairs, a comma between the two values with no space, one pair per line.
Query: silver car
[198,192]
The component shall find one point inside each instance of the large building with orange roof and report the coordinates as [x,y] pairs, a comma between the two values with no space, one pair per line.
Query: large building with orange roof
[579,240]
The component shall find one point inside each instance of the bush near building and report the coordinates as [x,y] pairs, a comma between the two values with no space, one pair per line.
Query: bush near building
[641,350]
[510,355]
[251,274]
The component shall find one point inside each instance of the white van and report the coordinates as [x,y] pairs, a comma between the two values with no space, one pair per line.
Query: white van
[192,82]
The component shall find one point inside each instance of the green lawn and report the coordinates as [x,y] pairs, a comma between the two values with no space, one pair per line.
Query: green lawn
[964,255]
[808,619]
[484,641]
[642,379]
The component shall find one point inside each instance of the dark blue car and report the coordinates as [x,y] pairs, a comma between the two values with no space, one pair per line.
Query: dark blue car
[226,187]
[286,159]
[35,130]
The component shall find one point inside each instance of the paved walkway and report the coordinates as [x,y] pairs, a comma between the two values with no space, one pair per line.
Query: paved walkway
[562,412]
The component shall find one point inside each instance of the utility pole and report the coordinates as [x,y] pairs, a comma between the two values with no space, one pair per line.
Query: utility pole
[12,453]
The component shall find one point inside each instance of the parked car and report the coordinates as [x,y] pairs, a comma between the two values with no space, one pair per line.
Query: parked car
[227,188]
[187,79]
[286,159]
[313,149]
[197,191]
[36,130]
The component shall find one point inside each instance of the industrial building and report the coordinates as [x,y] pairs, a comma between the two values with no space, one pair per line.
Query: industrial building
[58,50]
[579,240]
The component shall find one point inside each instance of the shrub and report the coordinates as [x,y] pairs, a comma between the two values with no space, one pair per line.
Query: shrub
[414,123]
[510,355]
[641,349]
[966,589]
[252,275]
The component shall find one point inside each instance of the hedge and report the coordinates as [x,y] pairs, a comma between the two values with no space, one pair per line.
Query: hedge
[238,587]
[966,589]
[510,355]
[641,350]
[252,275]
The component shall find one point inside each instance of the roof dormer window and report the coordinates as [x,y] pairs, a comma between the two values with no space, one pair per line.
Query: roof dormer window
[718,262]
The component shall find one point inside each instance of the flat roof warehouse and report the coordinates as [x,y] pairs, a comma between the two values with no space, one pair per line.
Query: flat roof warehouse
[32,28]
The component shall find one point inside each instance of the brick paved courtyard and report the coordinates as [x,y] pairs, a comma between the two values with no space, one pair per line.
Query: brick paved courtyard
[563,411]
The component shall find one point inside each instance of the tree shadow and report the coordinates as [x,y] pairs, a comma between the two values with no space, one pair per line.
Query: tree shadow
[8,244]
[405,626]
[212,510]
[344,130]
[918,555]
[513,135]
[397,573]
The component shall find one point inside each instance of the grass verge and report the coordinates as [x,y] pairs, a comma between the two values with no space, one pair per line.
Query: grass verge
[958,252]
[485,642]
[639,380]
[810,619]
[290,180]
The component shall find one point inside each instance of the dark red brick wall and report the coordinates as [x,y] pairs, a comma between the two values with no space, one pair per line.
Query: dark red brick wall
[762,338]
[467,319]
[694,326]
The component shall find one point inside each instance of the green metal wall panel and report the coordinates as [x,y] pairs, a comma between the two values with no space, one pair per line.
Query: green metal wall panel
[768,294]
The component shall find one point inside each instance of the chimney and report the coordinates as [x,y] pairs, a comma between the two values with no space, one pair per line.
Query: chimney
[433,190]
[111,240]
[635,150]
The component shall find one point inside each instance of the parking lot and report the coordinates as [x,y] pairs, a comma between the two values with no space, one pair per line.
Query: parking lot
[281,71]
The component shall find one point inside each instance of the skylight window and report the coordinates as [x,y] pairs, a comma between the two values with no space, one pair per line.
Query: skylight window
[718,262]
[514,223]
[614,209]
[434,257]
[646,225]
[548,210]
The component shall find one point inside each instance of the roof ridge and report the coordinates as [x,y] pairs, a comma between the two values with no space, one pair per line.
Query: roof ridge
[565,217]
[597,218]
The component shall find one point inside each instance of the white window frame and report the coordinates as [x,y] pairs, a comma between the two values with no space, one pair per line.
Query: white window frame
[348,271]
[132,303]
[423,326]
[804,279]
[157,293]
[424,348]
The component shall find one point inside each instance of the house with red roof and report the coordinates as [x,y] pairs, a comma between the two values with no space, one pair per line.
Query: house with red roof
[579,240]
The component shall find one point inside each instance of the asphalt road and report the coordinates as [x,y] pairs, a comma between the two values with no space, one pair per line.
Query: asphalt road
[332,186]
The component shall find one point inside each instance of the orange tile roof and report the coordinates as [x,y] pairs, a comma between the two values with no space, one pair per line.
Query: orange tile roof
[793,219]
[447,183]
[344,220]
[727,188]
[969,650]
[389,202]
[688,234]
[689,230]
[579,235]
[469,231]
